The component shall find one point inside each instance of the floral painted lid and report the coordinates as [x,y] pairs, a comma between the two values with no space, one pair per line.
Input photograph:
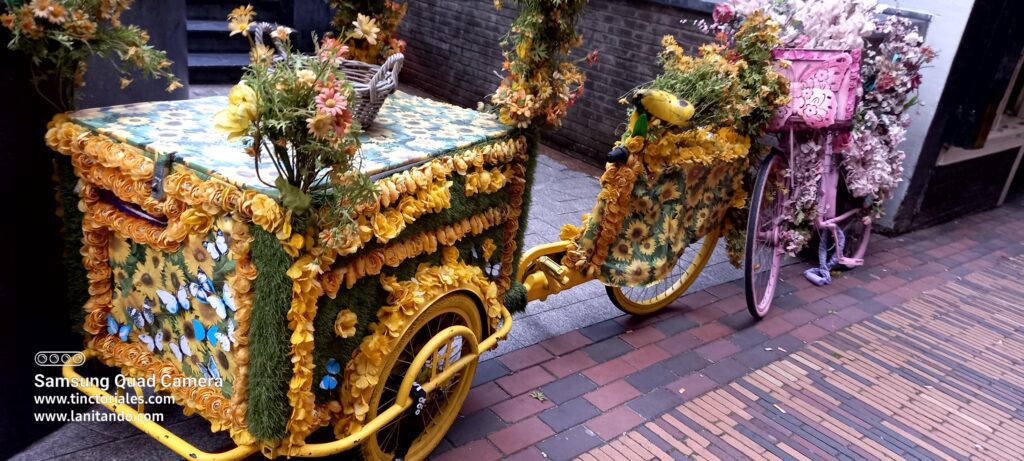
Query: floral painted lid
[408,129]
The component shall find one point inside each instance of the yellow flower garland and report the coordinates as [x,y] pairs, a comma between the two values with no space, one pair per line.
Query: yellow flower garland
[372,262]
[241,286]
[405,301]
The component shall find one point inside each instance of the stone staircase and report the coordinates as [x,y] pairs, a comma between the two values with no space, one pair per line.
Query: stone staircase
[213,55]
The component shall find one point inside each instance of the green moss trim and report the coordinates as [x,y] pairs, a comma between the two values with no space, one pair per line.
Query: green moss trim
[269,338]
[74,271]
[515,298]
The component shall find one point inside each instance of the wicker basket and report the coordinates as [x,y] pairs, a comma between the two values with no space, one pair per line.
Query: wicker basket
[372,84]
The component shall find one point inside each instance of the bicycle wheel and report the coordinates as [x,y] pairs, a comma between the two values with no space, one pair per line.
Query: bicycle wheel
[650,299]
[763,252]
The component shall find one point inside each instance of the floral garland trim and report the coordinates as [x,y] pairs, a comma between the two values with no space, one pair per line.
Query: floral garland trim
[393,187]
[516,192]
[372,262]
[183,187]
[241,286]
[140,230]
[306,289]
[406,196]
[207,401]
[613,200]
[390,222]
[96,260]
[405,301]
[96,161]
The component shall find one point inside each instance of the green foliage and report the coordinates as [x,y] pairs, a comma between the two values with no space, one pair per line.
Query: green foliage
[74,270]
[60,39]
[269,338]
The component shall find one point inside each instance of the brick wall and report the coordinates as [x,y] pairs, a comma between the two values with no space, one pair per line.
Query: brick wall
[453,54]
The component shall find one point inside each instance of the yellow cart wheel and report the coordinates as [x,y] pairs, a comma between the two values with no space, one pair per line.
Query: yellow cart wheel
[649,299]
[444,403]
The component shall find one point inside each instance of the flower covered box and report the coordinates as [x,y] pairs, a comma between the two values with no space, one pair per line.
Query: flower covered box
[823,88]
[194,271]
[651,208]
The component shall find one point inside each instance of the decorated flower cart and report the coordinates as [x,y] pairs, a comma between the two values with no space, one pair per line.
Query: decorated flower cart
[311,288]
[301,284]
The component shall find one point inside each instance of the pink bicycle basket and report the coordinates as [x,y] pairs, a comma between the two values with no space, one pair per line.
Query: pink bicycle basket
[824,86]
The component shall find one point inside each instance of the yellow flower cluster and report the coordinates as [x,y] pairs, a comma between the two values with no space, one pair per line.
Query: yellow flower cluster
[405,301]
[127,171]
[371,262]
[393,187]
[406,196]
[696,146]
[241,283]
[390,222]
[483,181]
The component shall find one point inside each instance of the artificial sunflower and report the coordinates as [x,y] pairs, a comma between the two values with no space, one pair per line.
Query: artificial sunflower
[197,258]
[173,276]
[119,251]
[147,278]
[669,192]
[637,273]
[637,231]
[647,247]
[622,250]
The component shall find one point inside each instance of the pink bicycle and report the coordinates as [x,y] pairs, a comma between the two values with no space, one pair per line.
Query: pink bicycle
[824,86]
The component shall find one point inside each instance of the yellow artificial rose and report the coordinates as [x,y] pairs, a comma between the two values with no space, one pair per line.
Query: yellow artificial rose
[489,248]
[266,213]
[236,119]
[634,144]
[345,324]
[411,208]
[388,224]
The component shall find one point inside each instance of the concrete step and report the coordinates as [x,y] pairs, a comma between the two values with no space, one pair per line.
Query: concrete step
[212,36]
[216,67]
[266,10]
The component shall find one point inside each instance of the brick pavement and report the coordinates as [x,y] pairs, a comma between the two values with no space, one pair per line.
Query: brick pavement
[915,356]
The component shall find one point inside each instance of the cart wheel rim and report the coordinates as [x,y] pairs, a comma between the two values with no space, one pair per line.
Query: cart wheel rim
[649,299]
[764,237]
[444,403]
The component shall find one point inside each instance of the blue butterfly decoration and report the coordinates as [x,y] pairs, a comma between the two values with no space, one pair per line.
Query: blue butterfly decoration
[330,381]
[202,332]
[118,329]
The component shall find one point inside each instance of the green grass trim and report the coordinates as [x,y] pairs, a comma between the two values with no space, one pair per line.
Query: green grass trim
[74,270]
[269,339]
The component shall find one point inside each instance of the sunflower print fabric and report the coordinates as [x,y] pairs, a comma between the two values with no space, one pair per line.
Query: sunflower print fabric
[667,213]
[408,129]
[178,305]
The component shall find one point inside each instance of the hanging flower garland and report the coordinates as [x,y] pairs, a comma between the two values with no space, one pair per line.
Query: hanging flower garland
[892,75]
[542,79]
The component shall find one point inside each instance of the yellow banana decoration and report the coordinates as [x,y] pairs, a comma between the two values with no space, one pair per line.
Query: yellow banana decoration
[666,106]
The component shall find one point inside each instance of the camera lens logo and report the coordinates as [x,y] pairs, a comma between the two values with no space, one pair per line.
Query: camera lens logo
[59,358]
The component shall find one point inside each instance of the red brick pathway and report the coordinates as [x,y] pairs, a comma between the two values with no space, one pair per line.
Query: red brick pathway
[871,366]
